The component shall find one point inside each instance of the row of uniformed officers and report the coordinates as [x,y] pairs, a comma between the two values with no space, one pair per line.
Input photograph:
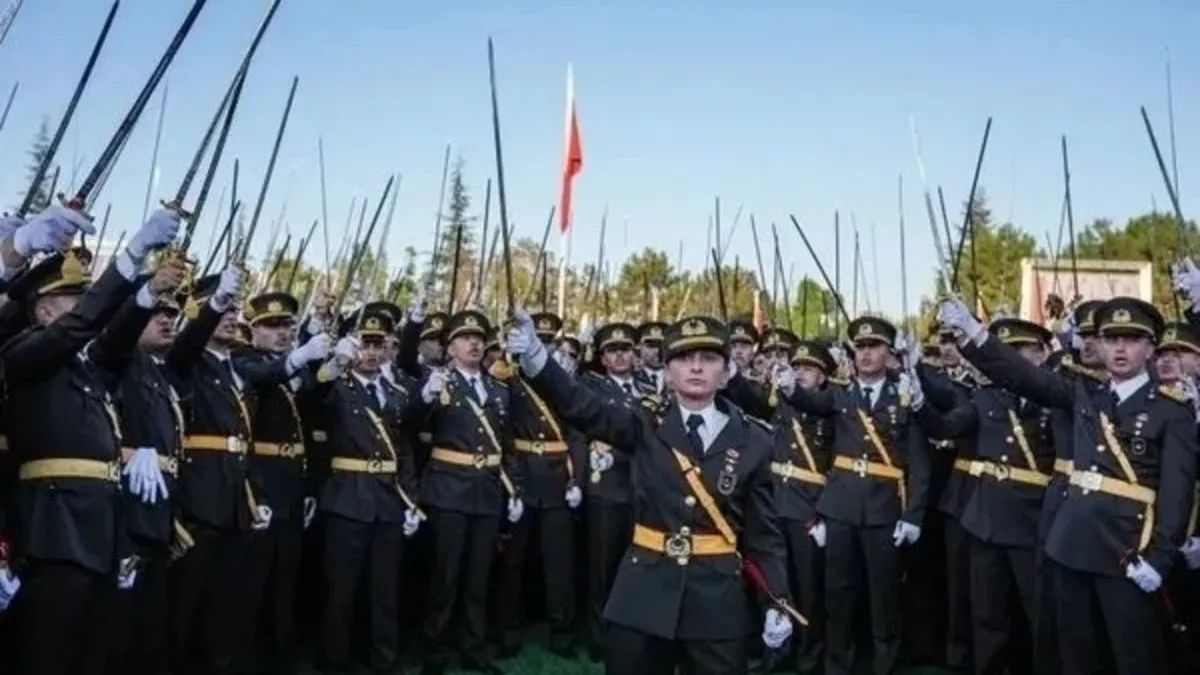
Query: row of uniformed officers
[157,484]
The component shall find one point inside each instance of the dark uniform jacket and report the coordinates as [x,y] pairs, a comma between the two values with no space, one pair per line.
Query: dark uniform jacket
[1012,466]
[857,494]
[946,389]
[458,423]
[278,454]
[360,429]
[58,408]
[1096,531]
[705,597]
[217,486]
[151,417]
[549,455]
[613,485]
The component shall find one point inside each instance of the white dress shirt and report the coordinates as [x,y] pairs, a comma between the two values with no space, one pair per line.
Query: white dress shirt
[1125,389]
[714,423]
[477,380]
[378,383]
[876,388]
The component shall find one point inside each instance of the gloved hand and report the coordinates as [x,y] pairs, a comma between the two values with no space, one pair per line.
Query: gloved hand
[310,511]
[229,286]
[574,496]
[263,521]
[954,313]
[604,461]
[910,385]
[1186,278]
[316,349]
[435,384]
[524,342]
[817,532]
[565,362]
[127,573]
[785,379]
[777,628]
[1191,552]
[906,533]
[9,585]
[52,230]
[160,230]
[1146,577]
[906,350]
[515,508]
[594,460]
[416,310]
[412,521]
[9,225]
[587,335]
[145,477]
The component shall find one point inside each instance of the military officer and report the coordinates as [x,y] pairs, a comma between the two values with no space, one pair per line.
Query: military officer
[703,500]
[368,500]
[875,498]
[649,353]
[1012,466]
[743,339]
[468,483]
[1117,533]
[549,456]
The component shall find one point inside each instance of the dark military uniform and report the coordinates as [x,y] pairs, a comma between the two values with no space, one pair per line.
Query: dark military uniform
[364,501]
[880,475]
[650,336]
[609,491]
[679,598]
[1130,494]
[219,490]
[63,433]
[1010,471]
[549,456]
[278,456]
[469,477]
[150,417]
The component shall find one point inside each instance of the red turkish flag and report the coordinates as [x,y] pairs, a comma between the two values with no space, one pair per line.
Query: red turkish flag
[573,157]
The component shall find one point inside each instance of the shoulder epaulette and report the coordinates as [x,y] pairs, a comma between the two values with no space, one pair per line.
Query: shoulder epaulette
[839,381]
[1069,363]
[1174,394]
[500,370]
[760,422]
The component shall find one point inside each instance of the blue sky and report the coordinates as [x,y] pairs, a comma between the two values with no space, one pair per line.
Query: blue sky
[783,107]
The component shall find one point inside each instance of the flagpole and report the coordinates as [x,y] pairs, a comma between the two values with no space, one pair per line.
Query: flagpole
[564,237]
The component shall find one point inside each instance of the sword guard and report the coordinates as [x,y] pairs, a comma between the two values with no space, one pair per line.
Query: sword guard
[75,204]
[177,208]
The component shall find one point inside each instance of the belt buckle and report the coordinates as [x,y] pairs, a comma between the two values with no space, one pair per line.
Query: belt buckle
[678,547]
[537,447]
[1091,481]
[975,468]
[234,445]
[169,465]
[1002,472]
[114,472]
[286,450]
[859,466]
[479,461]
[375,465]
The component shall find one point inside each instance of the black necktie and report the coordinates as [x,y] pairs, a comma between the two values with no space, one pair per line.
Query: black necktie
[628,389]
[694,422]
[474,384]
[373,392]
[866,397]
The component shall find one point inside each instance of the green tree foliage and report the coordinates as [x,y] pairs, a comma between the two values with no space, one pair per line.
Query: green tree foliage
[1152,237]
[37,153]
[458,231]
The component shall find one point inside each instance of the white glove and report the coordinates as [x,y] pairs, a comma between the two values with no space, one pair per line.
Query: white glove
[594,460]
[316,349]
[565,362]
[1186,278]
[145,477]
[909,384]
[310,511]
[9,225]
[515,508]
[229,286]
[127,576]
[1191,552]
[574,496]
[906,348]
[346,348]
[606,461]
[523,340]
[777,628]
[160,230]
[817,532]
[785,379]
[263,521]
[1146,577]
[416,310]
[905,533]
[587,335]
[953,312]
[9,585]
[435,384]
[52,230]
[411,522]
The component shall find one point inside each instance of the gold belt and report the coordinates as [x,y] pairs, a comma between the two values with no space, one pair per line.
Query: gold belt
[1064,466]
[468,459]
[355,465]
[865,468]
[1004,472]
[166,463]
[681,545]
[1091,481]
[283,450]
[231,444]
[539,447]
[787,470]
[70,468]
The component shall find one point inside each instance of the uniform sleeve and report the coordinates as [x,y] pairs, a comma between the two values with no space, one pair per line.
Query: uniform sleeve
[959,422]
[577,447]
[749,396]
[189,345]
[938,387]
[112,351]
[918,474]
[819,402]
[1177,476]
[508,455]
[762,536]
[262,372]
[581,408]
[1004,366]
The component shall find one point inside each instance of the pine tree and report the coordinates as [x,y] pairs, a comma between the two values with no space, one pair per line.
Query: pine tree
[37,152]
[456,218]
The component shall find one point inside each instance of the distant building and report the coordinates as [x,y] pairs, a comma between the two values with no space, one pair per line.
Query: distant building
[1098,280]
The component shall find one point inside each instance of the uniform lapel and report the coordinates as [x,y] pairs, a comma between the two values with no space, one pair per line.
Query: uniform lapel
[673,433]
